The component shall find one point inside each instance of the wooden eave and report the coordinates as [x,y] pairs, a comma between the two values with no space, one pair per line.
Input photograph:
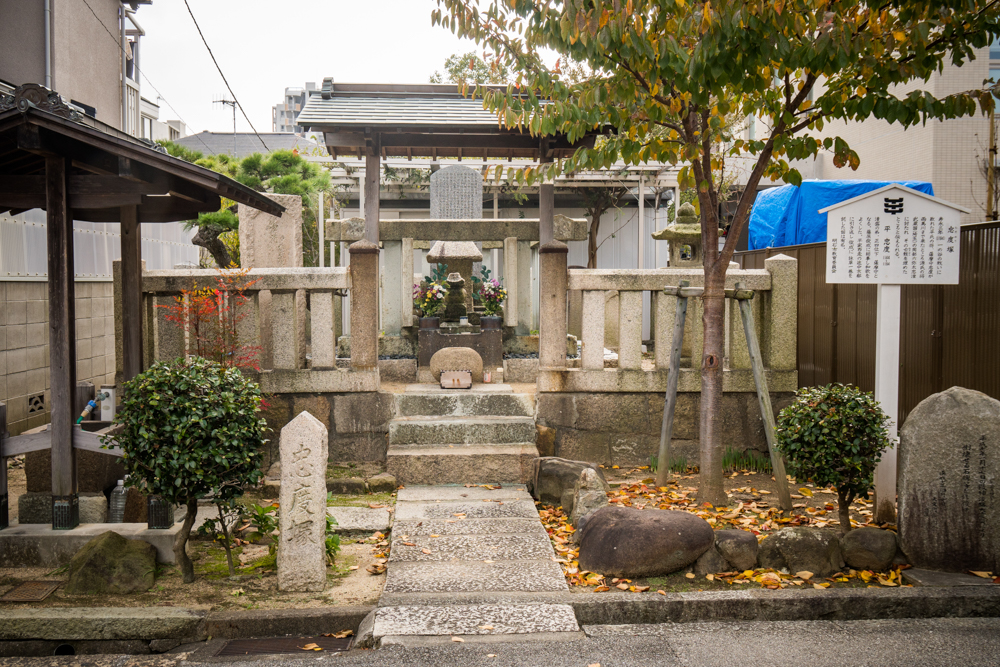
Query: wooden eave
[108,172]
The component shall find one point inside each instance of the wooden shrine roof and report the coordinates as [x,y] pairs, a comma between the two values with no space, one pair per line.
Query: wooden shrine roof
[419,120]
[108,169]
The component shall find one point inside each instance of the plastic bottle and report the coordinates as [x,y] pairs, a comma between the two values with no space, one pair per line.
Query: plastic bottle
[118,496]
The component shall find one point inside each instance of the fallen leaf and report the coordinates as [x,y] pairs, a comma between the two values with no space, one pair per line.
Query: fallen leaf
[408,544]
[353,567]
[376,506]
[662,592]
[689,575]
[601,589]
[710,577]
[491,655]
[457,639]
[425,551]
[485,627]
[984,575]
[886,582]
[806,492]
[805,575]
[342,634]
[378,568]
[641,589]
[623,587]
[311,647]
[435,536]
[821,586]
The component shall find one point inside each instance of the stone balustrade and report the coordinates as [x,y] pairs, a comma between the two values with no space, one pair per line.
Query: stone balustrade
[278,322]
[774,308]
[399,236]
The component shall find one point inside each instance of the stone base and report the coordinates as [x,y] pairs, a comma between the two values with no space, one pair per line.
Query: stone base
[36,508]
[397,370]
[35,545]
[470,464]
[520,370]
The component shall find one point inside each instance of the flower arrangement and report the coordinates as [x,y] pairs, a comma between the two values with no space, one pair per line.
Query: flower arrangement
[428,300]
[492,295]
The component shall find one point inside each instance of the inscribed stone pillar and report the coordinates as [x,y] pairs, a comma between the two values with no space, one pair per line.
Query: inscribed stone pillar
[456,193]
[949,469]
[267,241]
[552,305]
[301,551]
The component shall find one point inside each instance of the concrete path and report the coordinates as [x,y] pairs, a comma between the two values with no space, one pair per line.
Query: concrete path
[485,549]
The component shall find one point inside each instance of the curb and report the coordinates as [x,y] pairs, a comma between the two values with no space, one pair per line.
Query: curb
[278,622]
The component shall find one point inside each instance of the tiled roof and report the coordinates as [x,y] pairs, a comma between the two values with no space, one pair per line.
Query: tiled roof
[215,143]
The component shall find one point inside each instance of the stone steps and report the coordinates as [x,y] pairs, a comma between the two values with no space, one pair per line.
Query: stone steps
[465,405]
[461,464]
[450,430]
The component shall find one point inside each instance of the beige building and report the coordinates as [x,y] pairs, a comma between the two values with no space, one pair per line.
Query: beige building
[947,153]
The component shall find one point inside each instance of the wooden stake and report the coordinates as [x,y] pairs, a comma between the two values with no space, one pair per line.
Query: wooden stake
[670,399]
[764,398]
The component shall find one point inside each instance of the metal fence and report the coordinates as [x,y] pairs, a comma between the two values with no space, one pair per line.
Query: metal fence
[950,334]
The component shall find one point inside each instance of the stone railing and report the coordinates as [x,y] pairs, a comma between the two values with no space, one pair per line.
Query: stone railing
[276,323]
[399,236]
[774,306]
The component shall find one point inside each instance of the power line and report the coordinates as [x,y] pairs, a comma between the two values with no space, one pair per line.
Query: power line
[205,42]
[117,41]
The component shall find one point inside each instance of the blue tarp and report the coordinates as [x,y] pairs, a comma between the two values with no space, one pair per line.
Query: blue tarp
[790,215]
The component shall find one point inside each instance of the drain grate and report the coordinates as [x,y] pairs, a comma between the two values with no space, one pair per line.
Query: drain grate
[276,645]
[31,591]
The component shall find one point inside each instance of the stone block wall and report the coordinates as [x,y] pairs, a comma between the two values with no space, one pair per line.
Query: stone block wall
[624,428]
[357,423]
[24,346]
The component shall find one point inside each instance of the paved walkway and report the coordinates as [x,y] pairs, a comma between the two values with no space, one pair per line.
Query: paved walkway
[466,562]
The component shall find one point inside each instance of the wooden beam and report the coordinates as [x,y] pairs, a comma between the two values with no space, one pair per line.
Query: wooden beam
[131,244]
[154,209]
[62,338]
[373,170]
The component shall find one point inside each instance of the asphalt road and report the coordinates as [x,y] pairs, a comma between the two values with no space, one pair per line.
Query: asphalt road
[911,643]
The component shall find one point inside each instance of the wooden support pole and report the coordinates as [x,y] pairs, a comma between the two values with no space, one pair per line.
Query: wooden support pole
[62,344]
[131,245]
[764,398]
[4,500]
[373,170]
[670,398]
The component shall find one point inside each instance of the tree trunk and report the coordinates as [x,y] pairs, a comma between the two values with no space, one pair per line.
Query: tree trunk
[595,228]
[844,507]
[181,539]
[208,238]
[710,478]
[226,541]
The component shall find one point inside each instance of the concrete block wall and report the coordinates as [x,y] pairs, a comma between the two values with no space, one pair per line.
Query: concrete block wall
[24,346]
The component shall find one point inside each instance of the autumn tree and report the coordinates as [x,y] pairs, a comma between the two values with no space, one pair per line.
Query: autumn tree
[597,202]
[468,68]
[666,73]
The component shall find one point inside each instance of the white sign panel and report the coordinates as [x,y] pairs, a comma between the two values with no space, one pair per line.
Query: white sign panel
[893,235]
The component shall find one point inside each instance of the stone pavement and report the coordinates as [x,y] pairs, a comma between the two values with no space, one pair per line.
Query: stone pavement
[486,547]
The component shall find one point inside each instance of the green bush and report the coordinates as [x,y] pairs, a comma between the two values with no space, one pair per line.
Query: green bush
[191,429]
[835,436]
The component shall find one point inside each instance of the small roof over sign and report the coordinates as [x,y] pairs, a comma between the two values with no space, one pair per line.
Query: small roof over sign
[894,186]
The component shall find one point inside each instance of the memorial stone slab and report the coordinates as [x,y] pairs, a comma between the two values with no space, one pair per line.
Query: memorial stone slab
[301,551]
[949,468]
[268,241]
[456,192]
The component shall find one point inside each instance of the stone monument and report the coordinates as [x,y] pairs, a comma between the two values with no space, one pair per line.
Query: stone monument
[302,548]
[457,194]
[949,470]
[267,241]
[684,234]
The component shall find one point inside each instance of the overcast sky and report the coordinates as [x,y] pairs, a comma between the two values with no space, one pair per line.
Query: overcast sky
[264,46]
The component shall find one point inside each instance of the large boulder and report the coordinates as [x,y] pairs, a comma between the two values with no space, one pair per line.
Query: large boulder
[589,493]
[816,550]
[627,542]
[552,477]
[710,562]
[110,564]
[457,359]
[738,547]
[869,549]
[949,468]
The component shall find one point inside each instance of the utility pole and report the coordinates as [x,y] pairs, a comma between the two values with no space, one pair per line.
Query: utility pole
[231,103]
[991,170]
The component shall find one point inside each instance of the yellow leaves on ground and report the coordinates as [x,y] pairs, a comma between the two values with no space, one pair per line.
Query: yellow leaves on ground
[804,575]
[806,492]
[984,575]
[458,639]
[311,647]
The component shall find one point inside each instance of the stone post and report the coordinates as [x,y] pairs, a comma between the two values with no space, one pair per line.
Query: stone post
[552,305]
[267,241]
[780,348]
[510,279]
[392,312]
[364,305]
[524,312]
[302,548]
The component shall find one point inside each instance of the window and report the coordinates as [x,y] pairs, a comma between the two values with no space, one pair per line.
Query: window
[147,128]
[995,50]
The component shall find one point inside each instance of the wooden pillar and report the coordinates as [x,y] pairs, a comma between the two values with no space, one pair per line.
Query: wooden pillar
[62,344]
[373,169]
[546,198]
[131,244]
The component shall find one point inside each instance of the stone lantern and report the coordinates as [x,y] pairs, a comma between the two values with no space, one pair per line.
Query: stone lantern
[684,234]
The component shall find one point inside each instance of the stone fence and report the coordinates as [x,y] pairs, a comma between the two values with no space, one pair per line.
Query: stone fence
[278,322]
[400,237]
[610,412]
